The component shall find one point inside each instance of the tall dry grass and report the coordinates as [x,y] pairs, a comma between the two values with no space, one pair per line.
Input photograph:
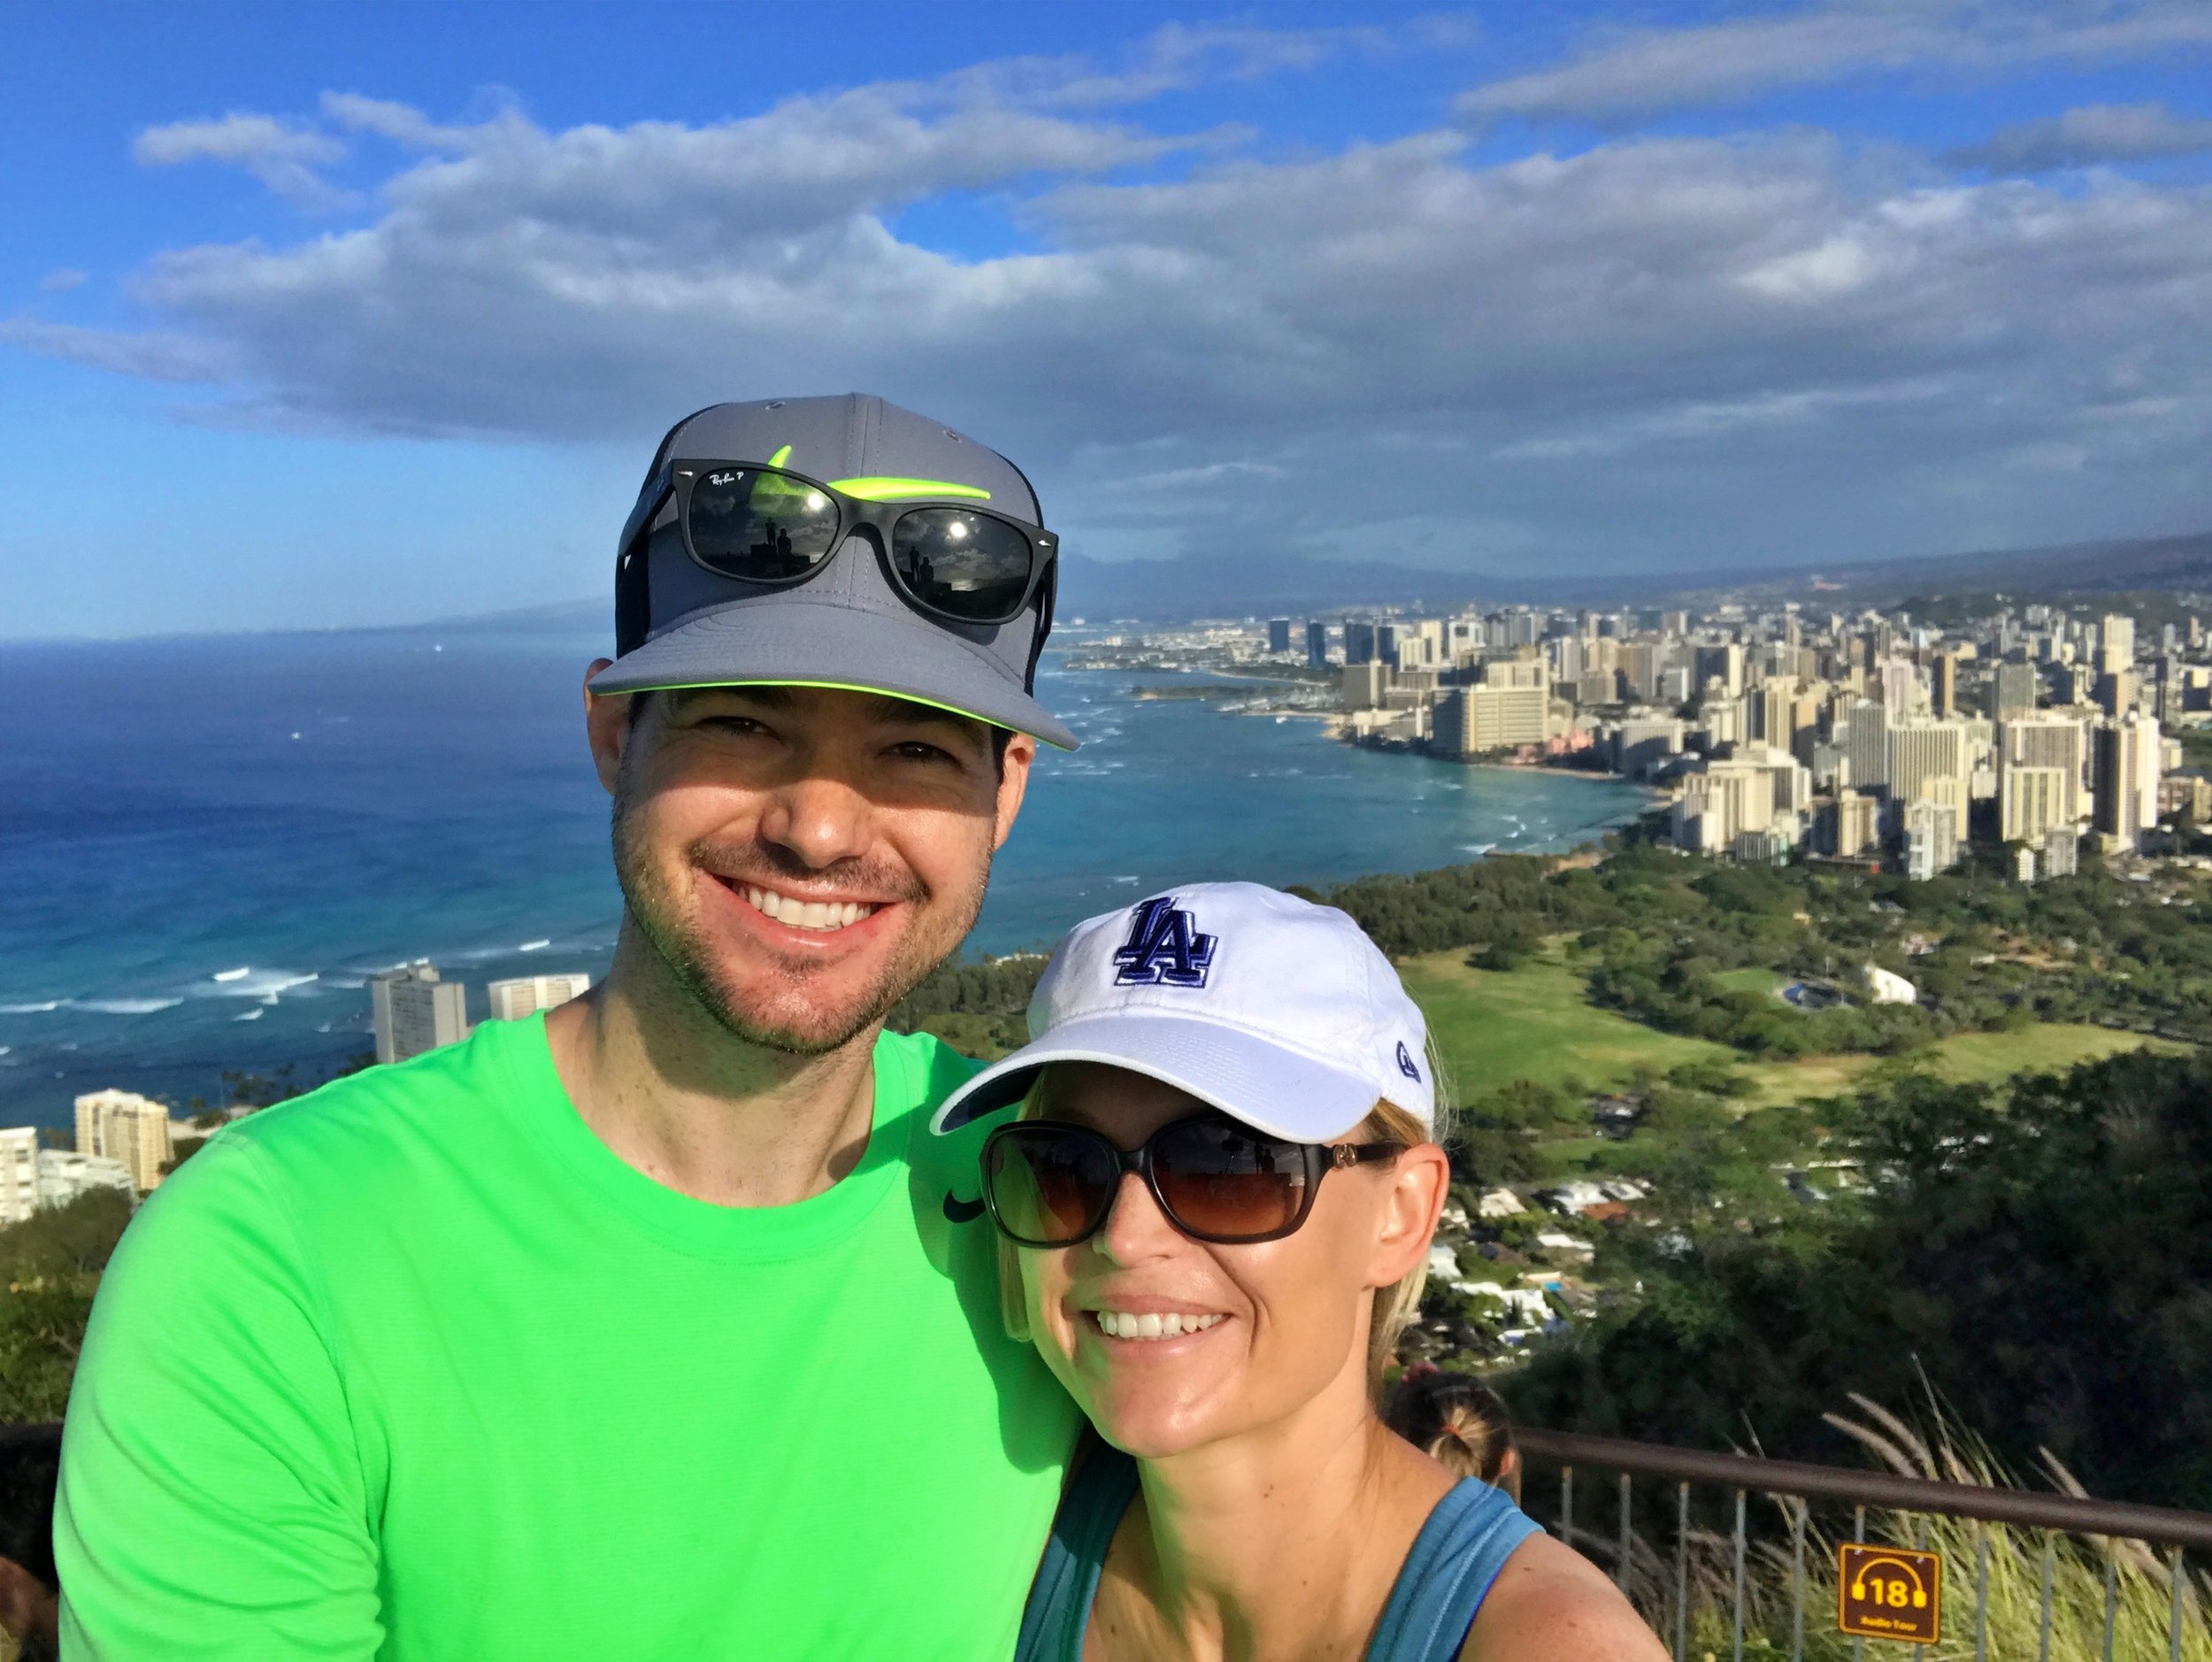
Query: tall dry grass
[2009,1625]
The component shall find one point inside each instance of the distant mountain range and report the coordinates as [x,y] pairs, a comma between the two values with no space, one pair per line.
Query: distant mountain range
[1246,586]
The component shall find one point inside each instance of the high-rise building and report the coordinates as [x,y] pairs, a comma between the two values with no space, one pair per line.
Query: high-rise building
[2115,645]
[1943,684]
[2015,686]
[1865,742]
[1366,683]
[1316,645]
[1474,720]
[2031,800]
[416,1011]
[1642,745]
[1929,760]
[128,1128]
[1931,838]
[18,1172]
[1719,803]
[1279,634]
[2047,739]
[1359,640]
[1849,826]
[525,995]
[2061,851]
[2118,691]
[2127,770]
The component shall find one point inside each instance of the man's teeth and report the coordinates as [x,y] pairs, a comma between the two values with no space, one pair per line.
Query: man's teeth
[807,914]
[1122,1324]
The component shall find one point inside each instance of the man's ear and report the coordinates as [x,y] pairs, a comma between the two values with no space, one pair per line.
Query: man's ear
[606,726]
[1419,1181]
[1013,784]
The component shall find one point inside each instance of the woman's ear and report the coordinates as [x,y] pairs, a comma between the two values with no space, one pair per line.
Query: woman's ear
[1418,1180]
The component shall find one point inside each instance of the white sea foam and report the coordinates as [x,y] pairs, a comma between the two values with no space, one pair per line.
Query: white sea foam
[534,946]
[232,974]
[124,1006]
[250,1015]
[30,1010]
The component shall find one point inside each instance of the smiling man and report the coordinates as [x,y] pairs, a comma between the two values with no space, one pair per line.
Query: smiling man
[658,1326]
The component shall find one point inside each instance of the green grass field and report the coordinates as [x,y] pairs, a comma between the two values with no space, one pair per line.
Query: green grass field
[1536,1022]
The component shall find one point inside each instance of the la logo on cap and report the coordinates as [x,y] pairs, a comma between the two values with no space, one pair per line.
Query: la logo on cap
[1164,949]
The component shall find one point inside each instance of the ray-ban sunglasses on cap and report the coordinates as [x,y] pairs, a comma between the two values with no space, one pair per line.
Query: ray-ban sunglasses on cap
[1280,1017]
[840,542]
[760,521]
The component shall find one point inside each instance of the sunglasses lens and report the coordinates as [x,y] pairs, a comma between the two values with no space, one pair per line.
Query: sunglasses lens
[1049,1187]
[963,564]
[1229,1184]
[758,524]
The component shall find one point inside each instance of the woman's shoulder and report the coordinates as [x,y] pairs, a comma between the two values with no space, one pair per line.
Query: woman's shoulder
[1547,1600]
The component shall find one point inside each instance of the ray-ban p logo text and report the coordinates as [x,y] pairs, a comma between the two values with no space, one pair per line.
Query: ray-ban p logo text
[1164,949]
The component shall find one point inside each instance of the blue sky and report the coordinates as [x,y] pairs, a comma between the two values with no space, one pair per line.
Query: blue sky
[314,315]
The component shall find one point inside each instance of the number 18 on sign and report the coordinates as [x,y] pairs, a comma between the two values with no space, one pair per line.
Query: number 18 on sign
[1889,1593]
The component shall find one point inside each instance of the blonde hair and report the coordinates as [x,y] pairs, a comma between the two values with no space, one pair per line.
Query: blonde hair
[1459,1423]
[1393,1308]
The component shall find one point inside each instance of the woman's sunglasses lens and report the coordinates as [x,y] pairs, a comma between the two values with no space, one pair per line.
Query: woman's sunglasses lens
[1049,1187]
[963,564]
[1222,1181]
[758,524]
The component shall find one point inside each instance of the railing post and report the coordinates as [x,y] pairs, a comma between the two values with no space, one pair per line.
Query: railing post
[1858,1533]
[1981,1591]
[2043,1642]
[1620,1574]
[2173,1615]
[1797,1585]
[2111,1592]
[1737,1655]
[1681,1572]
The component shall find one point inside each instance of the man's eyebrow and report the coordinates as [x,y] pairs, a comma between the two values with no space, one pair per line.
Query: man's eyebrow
[887,708]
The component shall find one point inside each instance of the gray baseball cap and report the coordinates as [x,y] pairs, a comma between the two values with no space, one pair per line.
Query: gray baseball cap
[678,624]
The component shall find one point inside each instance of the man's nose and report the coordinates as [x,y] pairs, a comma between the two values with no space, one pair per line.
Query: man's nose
[820,818]
[1136,1230]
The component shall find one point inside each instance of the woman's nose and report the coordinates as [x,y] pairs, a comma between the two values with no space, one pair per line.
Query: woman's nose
[1136,1230]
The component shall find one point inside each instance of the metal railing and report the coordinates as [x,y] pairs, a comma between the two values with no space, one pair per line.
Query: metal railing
[1795,1487]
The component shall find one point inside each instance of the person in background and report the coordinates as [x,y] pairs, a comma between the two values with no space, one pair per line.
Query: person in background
[1218,1197]
[1458,1422]
[582,1338]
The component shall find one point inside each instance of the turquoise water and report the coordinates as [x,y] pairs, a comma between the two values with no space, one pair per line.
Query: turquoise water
[307,809]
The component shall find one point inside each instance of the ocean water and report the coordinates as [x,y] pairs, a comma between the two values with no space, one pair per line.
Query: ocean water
[206,845]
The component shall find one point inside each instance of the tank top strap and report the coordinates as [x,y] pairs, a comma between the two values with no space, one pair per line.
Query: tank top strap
[1445,1578]
[1059,1608]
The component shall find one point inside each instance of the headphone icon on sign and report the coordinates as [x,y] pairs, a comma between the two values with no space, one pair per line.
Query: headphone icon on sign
[1899,1567]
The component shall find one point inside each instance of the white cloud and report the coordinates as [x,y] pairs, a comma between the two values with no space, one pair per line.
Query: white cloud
[2088,135]
[282,155]
[1622,73]
[64,278]
[1678,350]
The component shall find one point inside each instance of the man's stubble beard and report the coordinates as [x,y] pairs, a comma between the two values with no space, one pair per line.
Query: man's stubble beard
[669,922]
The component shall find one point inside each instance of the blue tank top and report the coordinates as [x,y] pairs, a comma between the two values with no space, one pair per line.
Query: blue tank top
[1455,1559]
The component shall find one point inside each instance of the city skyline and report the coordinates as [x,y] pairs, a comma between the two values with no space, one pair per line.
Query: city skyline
[340,330]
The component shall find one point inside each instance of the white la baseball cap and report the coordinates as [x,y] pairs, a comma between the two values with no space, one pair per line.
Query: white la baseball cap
[1276,1011]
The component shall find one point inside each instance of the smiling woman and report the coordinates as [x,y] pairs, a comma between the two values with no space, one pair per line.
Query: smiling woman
[1217,1205]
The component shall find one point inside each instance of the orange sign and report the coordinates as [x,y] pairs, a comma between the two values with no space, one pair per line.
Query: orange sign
[1889,1593]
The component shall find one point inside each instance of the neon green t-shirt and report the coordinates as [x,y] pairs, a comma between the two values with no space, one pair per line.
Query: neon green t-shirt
[415,1367]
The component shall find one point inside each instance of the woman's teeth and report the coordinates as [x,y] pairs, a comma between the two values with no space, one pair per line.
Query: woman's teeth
[1122,1324]
[807,914]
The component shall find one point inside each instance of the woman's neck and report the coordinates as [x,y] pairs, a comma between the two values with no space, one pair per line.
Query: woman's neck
[1279,1543]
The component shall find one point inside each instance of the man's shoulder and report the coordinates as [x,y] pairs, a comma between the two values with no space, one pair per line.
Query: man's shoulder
[354,1128]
